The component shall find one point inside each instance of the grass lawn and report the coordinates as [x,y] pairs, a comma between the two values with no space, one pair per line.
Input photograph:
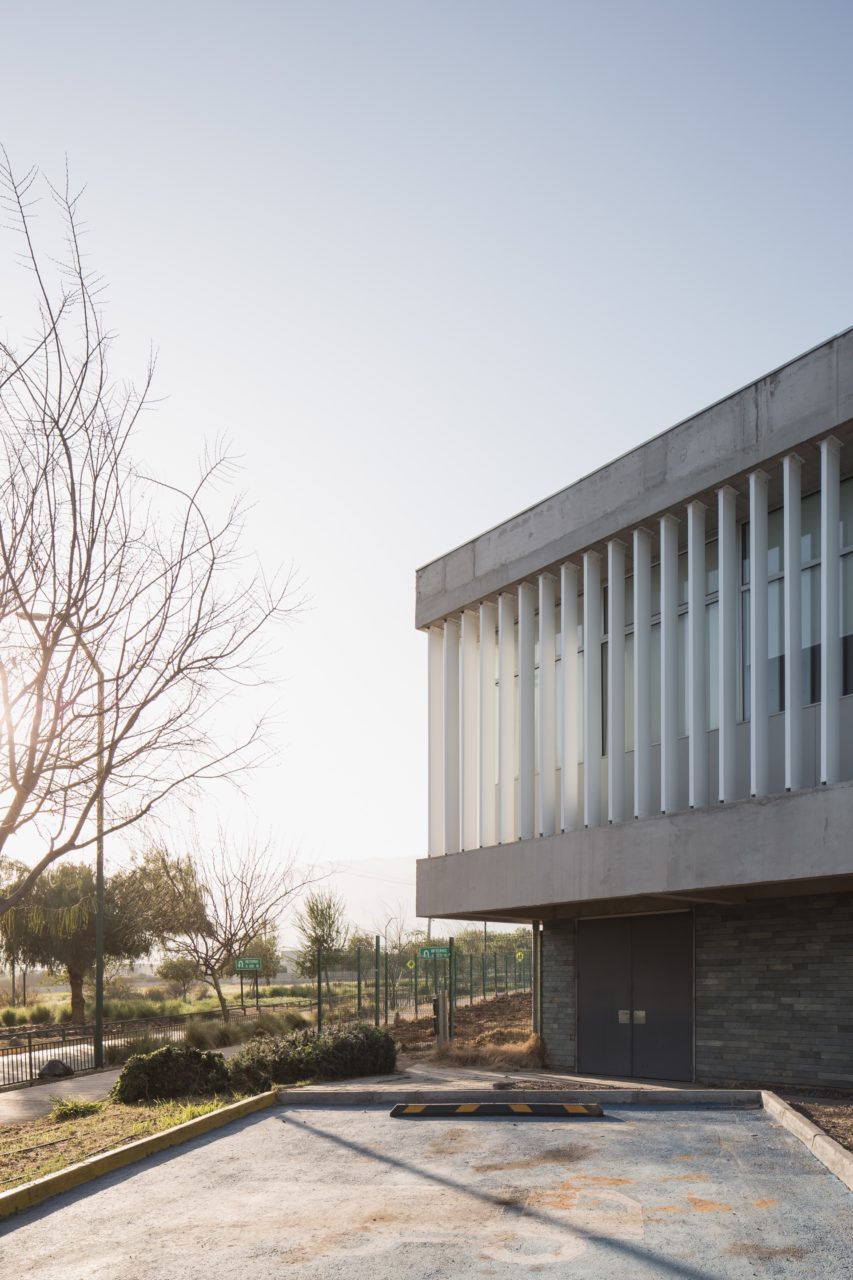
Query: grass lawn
[50,1143]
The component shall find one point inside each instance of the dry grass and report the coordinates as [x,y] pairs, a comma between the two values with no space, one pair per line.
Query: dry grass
[522,1053]
[37,1147]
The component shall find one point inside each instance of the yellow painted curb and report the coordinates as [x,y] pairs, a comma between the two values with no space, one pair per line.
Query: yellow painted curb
[53,1184]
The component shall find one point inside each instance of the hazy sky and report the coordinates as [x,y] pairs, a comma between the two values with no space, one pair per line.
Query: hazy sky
[424,264]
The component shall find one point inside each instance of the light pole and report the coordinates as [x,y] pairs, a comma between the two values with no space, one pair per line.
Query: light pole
[99,840]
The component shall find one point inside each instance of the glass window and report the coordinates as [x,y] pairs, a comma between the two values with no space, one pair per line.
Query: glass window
[655,682]
[682,675]
[580,709]
[712,647]
[744,555]
[775,542]
[847,623]
[776,646]
[810,531]
[712,576]
[655,589]
[604,698]
[629,601]
[746,668]
[629,692]
[811,635]
[847,513]
[682,578]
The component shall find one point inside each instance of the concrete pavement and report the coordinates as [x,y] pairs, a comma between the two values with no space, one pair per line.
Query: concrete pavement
[684,1193]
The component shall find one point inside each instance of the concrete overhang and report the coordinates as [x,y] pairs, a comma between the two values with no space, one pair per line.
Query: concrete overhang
[799,842]
[807,398]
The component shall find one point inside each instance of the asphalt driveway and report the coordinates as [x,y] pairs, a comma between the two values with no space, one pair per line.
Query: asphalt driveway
[342,1193]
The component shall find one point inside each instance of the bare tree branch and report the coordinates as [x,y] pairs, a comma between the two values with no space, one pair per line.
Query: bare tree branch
[105,568]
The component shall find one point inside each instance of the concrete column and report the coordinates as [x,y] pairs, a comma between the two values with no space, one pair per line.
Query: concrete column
[592,688]
[569,709]
[642,673]
[506,717]
[830,635]
[616,681]
[452,825]
[488,724]
[470,728]
[547,705]
[436,740]
[668,664]
[758,727]
[792,517]
[729,596]
[697,715]
[526,710]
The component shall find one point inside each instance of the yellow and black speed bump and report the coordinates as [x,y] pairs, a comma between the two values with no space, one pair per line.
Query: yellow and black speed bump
[476,1110]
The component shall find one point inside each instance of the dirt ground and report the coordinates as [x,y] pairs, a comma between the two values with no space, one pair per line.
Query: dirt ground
[831,1111]
[504,1018]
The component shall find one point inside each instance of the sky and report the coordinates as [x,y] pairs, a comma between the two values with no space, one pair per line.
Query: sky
[422,265]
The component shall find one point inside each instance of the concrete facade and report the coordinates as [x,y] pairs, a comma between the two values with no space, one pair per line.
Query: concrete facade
[641,700]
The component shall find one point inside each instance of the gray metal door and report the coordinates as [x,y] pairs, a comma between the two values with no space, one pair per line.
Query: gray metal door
[604,997]
[635,996]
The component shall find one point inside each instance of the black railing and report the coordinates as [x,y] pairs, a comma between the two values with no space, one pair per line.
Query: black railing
[25,1050]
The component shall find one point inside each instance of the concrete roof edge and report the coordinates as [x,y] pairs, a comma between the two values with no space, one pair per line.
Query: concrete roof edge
[431,608]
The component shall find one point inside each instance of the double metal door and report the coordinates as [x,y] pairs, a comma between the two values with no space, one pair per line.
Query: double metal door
[635,996]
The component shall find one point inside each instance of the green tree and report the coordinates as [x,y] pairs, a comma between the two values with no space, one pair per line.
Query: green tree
[54,926]
[323,926]
[179,972]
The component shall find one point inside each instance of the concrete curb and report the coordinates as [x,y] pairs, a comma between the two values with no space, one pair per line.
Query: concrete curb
[311,1097]
[825,1149]
[53,1184]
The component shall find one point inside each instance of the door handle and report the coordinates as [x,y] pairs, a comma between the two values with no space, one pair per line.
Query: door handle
[624,1015]
[640,1016]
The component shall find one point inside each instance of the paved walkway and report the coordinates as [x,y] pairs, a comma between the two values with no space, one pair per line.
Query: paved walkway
[31,1101]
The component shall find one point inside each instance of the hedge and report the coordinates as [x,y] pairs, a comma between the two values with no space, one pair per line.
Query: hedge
[175,1071]
[302,1055]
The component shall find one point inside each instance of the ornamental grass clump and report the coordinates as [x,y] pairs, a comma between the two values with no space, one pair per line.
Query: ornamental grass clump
[175,1071]
[333,1055]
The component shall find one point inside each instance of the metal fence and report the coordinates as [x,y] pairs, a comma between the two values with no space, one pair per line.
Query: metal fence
[488,992]
[23,1052]
[397,986]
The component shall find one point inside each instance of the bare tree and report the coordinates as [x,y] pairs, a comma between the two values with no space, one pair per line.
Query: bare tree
[211,907]
[125,617]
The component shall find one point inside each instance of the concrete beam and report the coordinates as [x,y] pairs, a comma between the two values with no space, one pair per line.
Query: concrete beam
[792,838]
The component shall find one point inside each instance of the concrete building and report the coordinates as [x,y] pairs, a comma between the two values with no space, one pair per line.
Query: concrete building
[620,749]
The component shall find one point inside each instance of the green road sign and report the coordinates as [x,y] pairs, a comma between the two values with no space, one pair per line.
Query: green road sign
[249,964]
[427,953]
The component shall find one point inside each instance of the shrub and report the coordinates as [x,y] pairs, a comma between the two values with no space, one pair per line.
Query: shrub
[8,1017]
[157,995]
[277,1024]
[174,1071]
[65,1014]
[41,1013]
[225,1033]
[117,1054]
[73,1108]
[302,1055]
[200,1034]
